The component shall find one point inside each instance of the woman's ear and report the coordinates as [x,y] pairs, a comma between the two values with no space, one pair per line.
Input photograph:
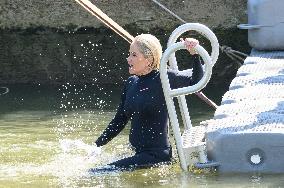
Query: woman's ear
[149,61]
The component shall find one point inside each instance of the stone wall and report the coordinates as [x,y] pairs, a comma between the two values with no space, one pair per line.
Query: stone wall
[54,42]
[66,14]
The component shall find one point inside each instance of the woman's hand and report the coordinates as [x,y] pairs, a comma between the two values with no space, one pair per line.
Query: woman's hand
[190,44]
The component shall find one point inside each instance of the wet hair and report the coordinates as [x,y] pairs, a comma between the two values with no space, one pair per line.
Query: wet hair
[151,49]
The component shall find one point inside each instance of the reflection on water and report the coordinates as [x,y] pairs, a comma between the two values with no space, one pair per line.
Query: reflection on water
[47,133]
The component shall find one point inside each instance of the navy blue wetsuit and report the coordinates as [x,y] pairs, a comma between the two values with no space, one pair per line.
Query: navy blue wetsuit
[143,103]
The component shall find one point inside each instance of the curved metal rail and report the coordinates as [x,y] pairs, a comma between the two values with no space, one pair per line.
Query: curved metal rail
[5,92]
[173,63]
[171,93]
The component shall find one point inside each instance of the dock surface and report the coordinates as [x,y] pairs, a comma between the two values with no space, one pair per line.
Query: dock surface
[247,131]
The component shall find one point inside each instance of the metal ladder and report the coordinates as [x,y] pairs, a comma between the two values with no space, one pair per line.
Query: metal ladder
[169,56]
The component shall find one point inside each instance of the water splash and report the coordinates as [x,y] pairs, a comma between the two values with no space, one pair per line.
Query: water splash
[71,146]
[71,163]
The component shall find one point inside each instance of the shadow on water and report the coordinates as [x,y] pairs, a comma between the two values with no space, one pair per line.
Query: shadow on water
[51,98]
[67,97]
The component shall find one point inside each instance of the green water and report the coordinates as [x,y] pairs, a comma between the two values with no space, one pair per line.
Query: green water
[37,123]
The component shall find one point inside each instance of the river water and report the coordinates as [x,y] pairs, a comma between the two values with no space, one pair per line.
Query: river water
[47,133]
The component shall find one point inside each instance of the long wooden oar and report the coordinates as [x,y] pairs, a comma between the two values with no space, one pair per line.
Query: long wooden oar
[90,7]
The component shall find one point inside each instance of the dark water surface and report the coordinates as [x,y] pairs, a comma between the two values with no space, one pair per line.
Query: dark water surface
[46,133]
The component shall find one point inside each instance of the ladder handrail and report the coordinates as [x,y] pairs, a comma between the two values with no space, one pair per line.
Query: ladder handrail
[203,30]
[169,93]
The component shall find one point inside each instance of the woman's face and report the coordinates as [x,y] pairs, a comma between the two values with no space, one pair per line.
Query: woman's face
[138,64]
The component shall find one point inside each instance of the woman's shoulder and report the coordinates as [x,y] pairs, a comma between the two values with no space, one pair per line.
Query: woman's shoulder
[131,80]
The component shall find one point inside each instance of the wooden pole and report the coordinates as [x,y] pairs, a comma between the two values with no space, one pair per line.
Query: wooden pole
[90,7]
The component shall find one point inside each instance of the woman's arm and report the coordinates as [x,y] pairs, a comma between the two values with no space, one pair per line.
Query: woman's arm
[197,70]
[116,125]
[178,80]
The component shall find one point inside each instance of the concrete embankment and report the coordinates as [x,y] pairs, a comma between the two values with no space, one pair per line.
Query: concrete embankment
[54,42]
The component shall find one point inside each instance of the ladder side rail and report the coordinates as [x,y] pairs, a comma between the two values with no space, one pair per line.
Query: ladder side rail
[170,94]
[173,63]
[184,112]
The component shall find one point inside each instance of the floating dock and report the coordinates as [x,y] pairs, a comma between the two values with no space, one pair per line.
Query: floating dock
[247,131]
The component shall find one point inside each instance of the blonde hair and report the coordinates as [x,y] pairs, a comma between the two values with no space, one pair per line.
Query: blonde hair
[150,47]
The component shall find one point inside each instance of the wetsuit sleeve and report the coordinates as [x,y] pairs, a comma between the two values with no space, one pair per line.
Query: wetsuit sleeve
[116,125]
[178,80]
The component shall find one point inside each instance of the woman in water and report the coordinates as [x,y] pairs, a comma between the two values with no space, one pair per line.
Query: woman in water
[143,103]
